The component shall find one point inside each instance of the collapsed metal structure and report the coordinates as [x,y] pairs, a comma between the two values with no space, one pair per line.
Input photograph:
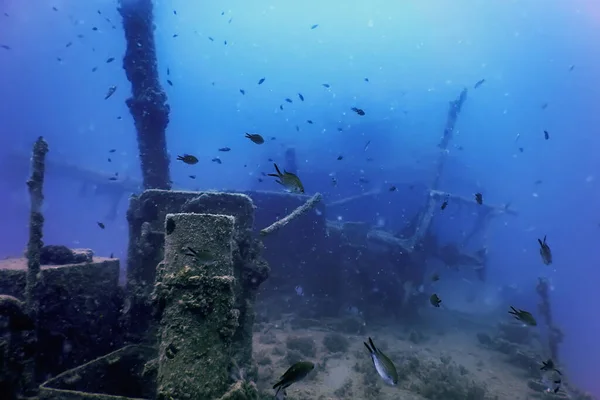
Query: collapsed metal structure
[183,323]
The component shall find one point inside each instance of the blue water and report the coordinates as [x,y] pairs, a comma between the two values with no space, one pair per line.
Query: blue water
[417,57]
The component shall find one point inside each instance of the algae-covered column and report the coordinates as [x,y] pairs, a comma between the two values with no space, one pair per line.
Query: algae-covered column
[453,111]
[195,291]
[35,185]
[148,104]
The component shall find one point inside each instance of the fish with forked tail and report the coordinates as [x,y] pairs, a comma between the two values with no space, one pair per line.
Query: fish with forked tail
[294,374]
[383,365]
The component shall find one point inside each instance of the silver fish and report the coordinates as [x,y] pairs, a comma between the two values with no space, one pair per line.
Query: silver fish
[383,365]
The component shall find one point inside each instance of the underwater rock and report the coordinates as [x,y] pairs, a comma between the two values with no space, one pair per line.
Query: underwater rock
[267,338]
[417,337]
[447,381]
[351,325]
[336,343]
[528,361]
[484,339]
[514,333]
[304,345]
[62,255]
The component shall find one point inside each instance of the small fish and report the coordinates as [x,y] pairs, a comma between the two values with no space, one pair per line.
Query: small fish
[169,82]
[94,69]
[111,91]
[393,188]
[255,137]
[192,176]
[309,121]
[340,157]
[242,91]
[5,47]
[288,100]
[545,251]
[358,111]
[202,255]
[290,181]
[281,107]
[383,365]
[435,300]
[367,145]
[544,106]
[333,181]
[168,71]
[327,85]
[224,149]
[479,83]
[315,26]
[175,12]
[112,150]
[572,67]
[188,159]
[225,42]
[444,204]
[261,80]
[366,79]
[435,277]
[113,178]
[294,374]
[521,149]
[300,96]
[547,365]
[109,60]
[217,160]
[69,44]
[101,225]
[523,316]
[211,39]
[297,128]
[546,135]
[109,160]
[175,35]
[479,198]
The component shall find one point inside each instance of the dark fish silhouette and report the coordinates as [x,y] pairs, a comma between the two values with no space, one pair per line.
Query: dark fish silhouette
[358,111]
[545,251]
[188,159]
[255,137]
[261,80]
[294,374]
[479,83]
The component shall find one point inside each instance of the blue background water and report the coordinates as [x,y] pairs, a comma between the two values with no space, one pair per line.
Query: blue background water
[417,56]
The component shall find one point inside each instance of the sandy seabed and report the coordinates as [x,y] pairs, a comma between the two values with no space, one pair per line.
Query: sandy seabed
[450,365]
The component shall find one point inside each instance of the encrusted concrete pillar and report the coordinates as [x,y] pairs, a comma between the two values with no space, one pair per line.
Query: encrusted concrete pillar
[197,302]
